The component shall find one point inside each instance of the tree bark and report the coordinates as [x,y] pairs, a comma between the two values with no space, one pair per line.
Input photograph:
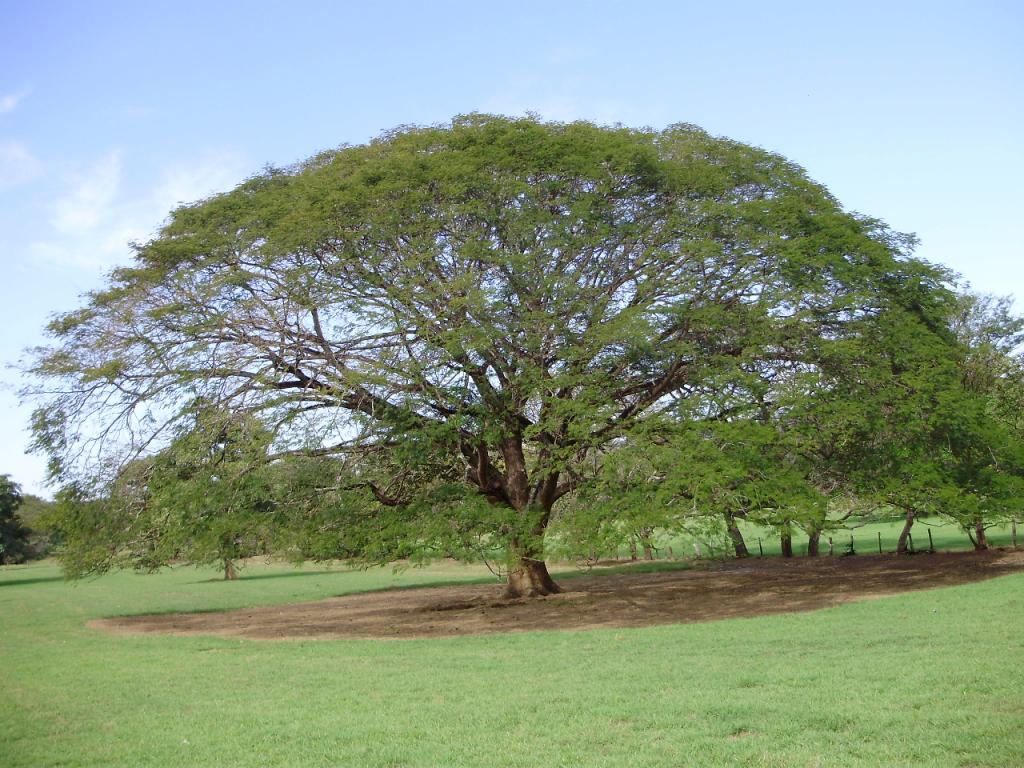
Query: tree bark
[813,539]
[645,537]
[527,575]
[229,570]
[901,543]
[980,539]
[787,544]
[736,535]
[530,578]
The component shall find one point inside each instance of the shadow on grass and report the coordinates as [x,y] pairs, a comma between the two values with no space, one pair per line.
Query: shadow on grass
[242,576]
[291,601]
[601,570]
[36,580]
[626,567]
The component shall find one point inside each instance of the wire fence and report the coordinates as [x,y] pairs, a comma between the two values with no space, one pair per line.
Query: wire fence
[836,543]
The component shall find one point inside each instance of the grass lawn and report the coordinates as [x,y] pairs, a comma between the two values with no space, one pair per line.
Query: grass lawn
[930,679]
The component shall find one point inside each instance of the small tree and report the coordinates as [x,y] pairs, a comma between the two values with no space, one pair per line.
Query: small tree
[928,435]
[207,498]
[989,466]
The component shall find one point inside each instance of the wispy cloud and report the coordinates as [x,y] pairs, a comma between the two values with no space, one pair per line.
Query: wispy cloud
[100,213]
[9,102]
[188,183]
[17,164]
[90,197]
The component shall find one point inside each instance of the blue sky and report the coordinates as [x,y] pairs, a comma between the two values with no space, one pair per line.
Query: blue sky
[111,113]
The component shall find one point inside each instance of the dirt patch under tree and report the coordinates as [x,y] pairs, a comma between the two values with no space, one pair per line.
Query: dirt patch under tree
[751,587]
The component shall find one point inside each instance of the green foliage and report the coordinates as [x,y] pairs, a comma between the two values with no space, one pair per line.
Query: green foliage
[915,424]
[689,478]
[985,456]
[473,320]
[14,535]
[37,514]
[205,498]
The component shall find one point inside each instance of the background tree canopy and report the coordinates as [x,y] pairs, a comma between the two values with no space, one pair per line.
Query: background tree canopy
[14,535]
[446,331]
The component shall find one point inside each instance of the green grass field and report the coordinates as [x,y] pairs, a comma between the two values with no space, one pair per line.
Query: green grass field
[929,679]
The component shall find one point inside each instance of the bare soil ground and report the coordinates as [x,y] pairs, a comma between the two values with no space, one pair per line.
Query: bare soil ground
[751,587]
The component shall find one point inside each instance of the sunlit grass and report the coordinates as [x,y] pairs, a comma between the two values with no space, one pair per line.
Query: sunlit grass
[930,679]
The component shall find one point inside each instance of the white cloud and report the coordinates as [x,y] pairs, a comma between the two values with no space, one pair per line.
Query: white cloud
[17,164]
[100,212]
[181,184]
[90,198]
[9,102]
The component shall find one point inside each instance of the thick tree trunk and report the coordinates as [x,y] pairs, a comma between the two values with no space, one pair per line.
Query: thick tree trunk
[645,537]
[530,578]
[813,539]
[736,535]
[787,544]
[229,570]
[528,575]
[901,543]
[980,540]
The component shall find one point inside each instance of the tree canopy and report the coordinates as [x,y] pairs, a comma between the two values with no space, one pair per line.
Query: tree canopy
[455,324]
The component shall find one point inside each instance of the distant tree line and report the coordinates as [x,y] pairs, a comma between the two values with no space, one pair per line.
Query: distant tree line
[24,527]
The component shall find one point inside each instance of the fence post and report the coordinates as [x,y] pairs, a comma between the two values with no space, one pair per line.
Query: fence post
[879,542]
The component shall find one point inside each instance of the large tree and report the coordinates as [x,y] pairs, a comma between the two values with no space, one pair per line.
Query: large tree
[493,303]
